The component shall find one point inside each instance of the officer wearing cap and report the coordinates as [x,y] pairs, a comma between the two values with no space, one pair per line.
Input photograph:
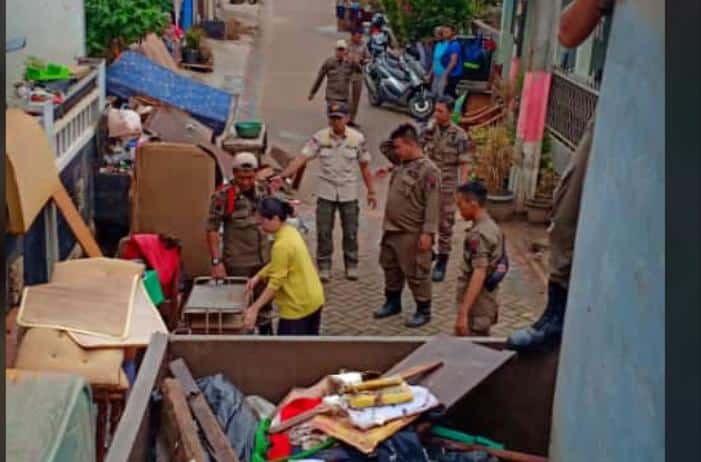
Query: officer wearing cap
[338,72]
[339,149]
[245,248]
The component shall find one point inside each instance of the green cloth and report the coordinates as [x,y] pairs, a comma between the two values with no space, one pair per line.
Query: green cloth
[261,446]
[49,418]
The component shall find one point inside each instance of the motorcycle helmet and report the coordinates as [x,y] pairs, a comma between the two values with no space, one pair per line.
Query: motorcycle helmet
[378,20]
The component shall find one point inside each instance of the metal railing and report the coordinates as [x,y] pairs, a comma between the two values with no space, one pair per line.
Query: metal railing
[70,129]
[570,106]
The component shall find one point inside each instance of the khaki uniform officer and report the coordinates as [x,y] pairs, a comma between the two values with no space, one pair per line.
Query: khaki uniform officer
[446,144]
[340,150]
[577,22]
[338,72]
[483,248]
[410,224]
[357,54]
[245,248]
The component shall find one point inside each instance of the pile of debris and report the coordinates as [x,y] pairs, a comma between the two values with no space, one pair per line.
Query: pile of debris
[400,415]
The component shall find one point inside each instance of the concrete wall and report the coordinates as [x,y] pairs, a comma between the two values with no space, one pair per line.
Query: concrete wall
[609,403]
[54,29]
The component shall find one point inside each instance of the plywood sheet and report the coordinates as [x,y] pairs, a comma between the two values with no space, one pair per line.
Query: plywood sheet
[465,365]
[90,296]
[173,184]
[145,320]
[31,177]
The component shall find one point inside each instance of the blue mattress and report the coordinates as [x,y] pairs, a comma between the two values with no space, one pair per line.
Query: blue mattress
[133,74]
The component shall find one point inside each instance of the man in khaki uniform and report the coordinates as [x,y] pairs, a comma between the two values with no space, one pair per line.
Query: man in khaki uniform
[446,144]
[245,248]
[409,226]
[476,303]
[338,72]
[357,54]
[577,22]
[340,150]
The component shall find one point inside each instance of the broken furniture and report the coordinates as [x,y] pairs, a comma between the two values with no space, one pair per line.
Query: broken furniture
[133,74]
[171,191]
[215,306]
[512,405]
[91,315]
[32,180]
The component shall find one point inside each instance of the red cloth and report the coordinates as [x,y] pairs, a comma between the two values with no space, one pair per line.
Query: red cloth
[152,249]
[279,443]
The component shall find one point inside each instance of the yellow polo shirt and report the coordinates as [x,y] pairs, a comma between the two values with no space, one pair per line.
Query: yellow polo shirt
[292,273]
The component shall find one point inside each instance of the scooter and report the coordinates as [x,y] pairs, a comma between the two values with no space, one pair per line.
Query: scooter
[400,81]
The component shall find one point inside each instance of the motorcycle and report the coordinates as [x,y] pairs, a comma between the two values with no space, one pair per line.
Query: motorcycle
[400,81]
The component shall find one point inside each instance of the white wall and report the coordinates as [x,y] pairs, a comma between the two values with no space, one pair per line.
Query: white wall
[54,30]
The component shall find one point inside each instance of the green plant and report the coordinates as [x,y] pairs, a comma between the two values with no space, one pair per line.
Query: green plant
[494,156]
[193,38]
[413,20]
[122,21]
[547,175]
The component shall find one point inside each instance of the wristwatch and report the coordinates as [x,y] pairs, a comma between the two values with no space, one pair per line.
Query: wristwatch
[216,261]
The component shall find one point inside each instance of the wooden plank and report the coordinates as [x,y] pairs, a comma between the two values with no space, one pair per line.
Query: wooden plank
[75,222]
[221,448]
[466,365]
[180,430]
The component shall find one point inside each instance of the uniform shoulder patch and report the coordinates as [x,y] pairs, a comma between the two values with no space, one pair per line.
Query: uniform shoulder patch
[355,138]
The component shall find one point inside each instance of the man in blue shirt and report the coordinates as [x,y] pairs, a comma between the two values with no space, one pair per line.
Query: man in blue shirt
[438,70]
[452,60]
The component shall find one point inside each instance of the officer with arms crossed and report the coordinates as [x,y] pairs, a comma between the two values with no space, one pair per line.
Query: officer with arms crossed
[409,226]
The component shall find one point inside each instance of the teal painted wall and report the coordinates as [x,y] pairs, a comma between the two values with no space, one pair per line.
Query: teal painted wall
[609,402]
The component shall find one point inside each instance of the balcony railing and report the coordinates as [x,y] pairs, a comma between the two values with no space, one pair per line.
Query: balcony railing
[570,106]
[72,125]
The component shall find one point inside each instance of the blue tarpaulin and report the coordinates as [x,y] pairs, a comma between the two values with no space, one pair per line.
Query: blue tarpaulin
[133,74]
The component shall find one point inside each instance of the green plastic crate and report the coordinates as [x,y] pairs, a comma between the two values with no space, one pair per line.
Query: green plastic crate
[153,287]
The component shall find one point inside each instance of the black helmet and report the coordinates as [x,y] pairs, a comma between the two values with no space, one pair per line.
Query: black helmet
[378,20]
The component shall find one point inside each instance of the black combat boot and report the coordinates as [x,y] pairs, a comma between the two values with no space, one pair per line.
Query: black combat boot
[422,315]
[546,331]
[392,306]
[440,267]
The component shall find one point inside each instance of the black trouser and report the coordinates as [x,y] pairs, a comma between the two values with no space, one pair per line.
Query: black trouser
[451,86]
[308,325]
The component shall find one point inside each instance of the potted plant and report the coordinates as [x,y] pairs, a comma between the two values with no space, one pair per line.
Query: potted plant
[494,159]
[191,50]
[538,207]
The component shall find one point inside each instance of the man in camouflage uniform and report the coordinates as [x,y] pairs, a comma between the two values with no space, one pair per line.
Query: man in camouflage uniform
[446,144]
[245,248]
[577,22]
[409,226]
[340,150]
[338,72]
[357,54]
[483,248]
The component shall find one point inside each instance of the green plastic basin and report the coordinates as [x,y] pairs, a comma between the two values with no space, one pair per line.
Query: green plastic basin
[248,128]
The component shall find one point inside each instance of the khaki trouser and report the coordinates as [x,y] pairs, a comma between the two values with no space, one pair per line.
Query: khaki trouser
[265,315]
[565,214]
[446,220]
[401,261]
[325,222]
[484,313]
[356,91]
